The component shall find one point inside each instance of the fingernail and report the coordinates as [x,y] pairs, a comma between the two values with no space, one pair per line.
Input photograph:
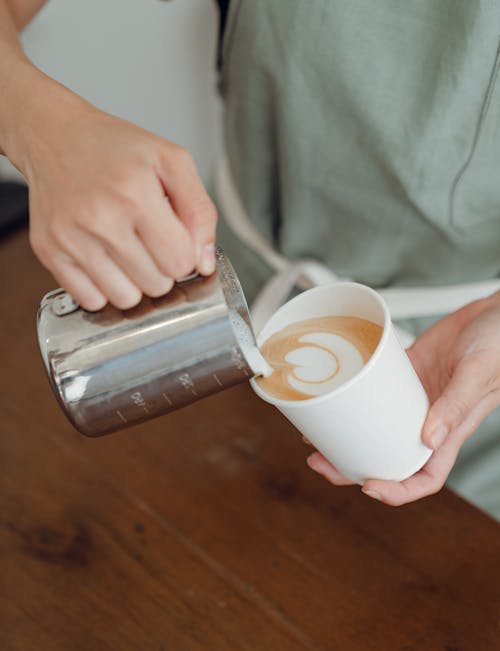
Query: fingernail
[370,493]
[310,462]
[314,462]
[206,265]
[438,436]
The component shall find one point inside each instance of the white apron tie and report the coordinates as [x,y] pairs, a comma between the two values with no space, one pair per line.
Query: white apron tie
[403,302]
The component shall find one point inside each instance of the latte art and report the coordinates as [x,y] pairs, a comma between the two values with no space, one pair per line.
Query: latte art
[315,356]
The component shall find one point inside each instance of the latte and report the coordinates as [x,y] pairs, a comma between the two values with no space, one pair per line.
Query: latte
[317,355]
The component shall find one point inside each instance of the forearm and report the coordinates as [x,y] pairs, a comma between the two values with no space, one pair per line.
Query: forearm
[27,96]
[15,69]
[22,11]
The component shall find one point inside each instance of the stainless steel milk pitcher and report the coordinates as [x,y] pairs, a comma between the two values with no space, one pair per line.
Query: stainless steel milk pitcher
[113,368]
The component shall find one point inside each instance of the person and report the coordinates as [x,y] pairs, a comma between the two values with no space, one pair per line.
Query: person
[365,135]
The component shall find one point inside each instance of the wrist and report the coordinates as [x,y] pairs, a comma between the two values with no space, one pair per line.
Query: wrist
[495,299]
[17,77]
[34,106]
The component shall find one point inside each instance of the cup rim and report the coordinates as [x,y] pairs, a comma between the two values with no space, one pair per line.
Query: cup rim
[297,404]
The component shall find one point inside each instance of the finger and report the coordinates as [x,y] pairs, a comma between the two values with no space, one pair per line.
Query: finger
[105,274]
[167,240]
[134,259]
[432,477]
[429,372]
[427,481]
[470,383]
[113,283]
[319,464]
[191,203]
[77,283]
[67,272]
[475,417]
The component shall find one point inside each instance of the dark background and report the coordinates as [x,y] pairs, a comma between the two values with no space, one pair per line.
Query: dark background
[13,206]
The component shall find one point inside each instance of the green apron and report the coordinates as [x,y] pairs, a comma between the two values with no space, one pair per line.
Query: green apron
[367,135]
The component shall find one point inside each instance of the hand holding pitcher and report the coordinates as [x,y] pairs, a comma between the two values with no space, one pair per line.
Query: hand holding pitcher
[458,362]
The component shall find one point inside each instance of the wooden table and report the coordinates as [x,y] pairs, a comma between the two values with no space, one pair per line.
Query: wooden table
[205,530]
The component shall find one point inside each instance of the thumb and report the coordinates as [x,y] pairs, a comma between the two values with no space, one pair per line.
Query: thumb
[469,384]
[191,204]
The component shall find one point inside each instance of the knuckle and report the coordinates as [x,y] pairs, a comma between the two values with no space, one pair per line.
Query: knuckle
[115,237]
[107,227]
[103,211]
[183,265]
[58,231]
[40,246]
[179,259]
[472,360]
[489,370]
[493,380]
[204,213]
[126,192]
[435,486]
[182,155]
[89,219]
[124,177]
[172,154]
[458,406]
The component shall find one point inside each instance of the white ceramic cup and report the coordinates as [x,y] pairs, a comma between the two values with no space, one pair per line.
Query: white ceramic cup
[370,426]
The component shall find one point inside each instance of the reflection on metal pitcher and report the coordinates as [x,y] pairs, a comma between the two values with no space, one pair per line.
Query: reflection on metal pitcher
[114,368]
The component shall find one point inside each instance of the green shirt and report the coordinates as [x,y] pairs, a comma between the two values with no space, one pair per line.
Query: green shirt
[367,135]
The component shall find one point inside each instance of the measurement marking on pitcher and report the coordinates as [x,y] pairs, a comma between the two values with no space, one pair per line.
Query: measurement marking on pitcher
[214,375]
[237,359]
[187,382]
[121,416]
[138,400]
[167,399]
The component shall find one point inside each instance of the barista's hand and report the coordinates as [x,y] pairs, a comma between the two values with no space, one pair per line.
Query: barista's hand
[101,221]
[458,362]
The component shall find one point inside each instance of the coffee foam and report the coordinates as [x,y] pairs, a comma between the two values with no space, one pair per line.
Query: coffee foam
[316,356]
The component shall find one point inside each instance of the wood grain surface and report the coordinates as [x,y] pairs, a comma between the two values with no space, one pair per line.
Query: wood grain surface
[205,529]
